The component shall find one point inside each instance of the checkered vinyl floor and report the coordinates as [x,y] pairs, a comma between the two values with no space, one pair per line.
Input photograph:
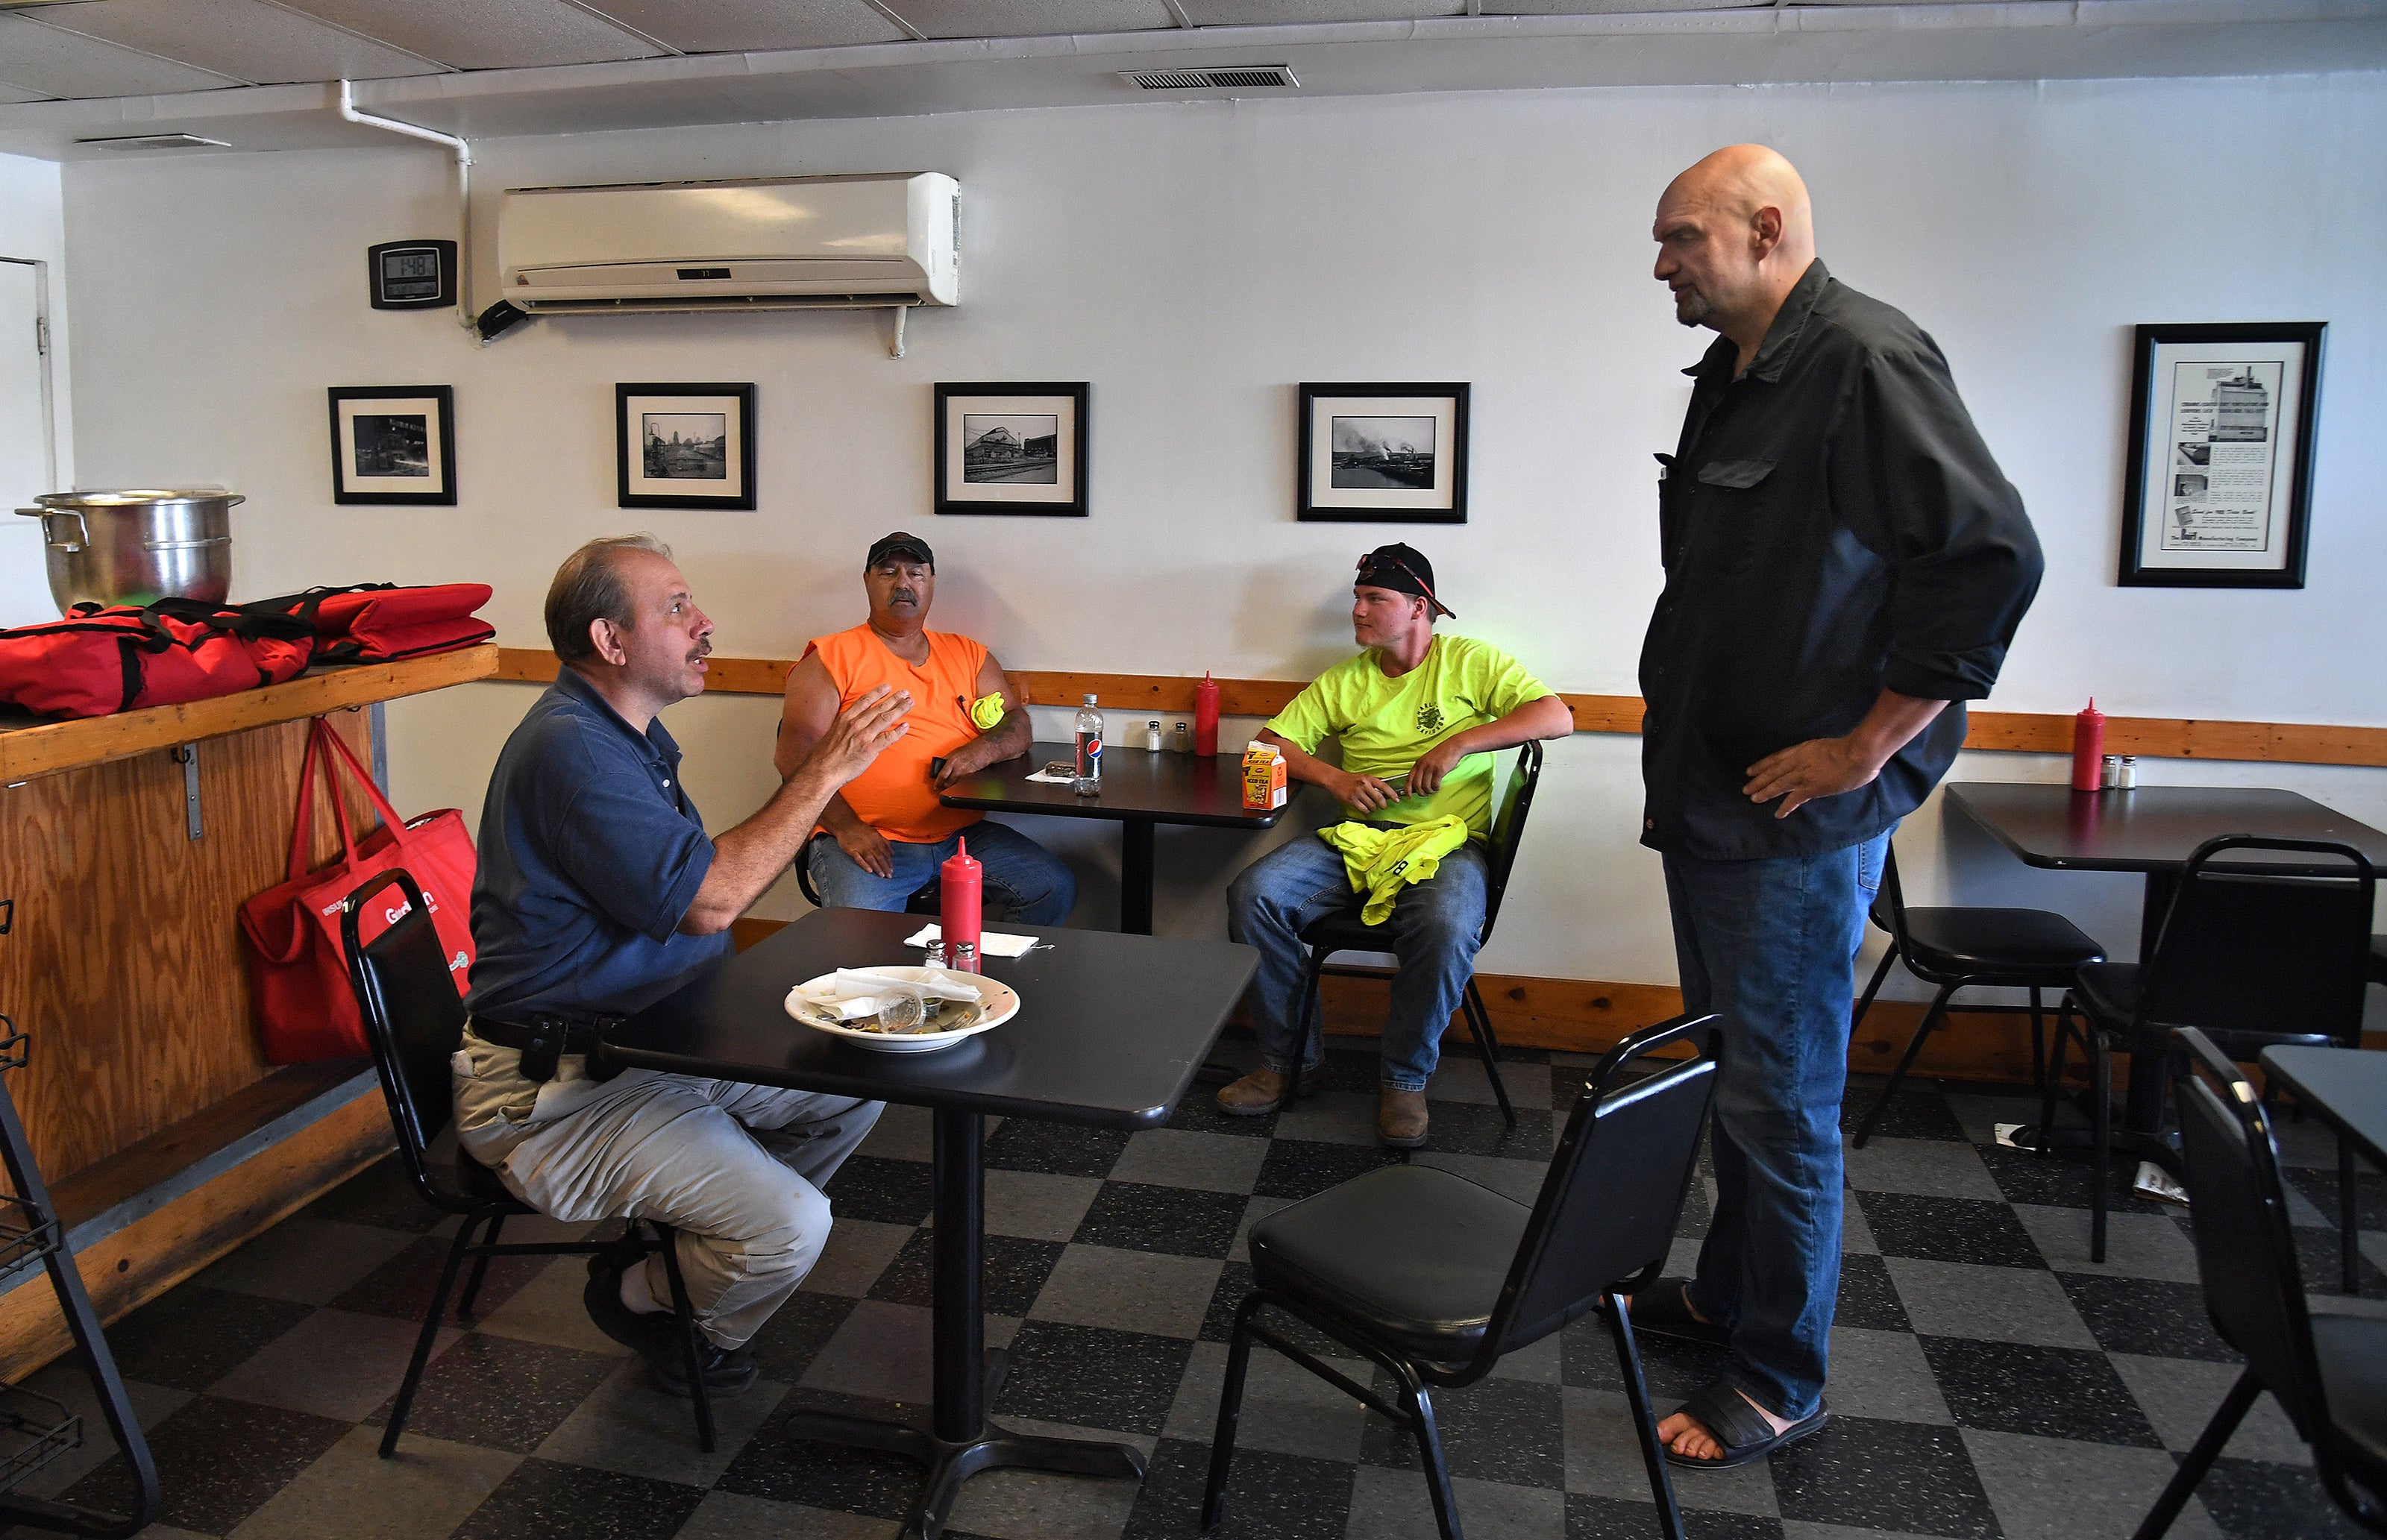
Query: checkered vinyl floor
[1986,1381]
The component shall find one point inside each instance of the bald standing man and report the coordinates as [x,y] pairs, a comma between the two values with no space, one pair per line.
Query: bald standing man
[1845,567]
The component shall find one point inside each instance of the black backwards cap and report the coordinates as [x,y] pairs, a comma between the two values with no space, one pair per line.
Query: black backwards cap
[1401,569]
[901,543]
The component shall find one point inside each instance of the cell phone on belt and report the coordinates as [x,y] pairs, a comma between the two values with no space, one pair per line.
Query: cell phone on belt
[936,768]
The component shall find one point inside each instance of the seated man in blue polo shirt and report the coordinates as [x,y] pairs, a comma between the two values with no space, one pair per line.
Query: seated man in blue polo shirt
[598,892]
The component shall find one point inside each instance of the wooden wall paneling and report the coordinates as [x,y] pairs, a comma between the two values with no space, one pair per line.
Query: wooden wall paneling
[126,964]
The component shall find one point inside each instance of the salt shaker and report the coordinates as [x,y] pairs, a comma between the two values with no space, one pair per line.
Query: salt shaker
[1151,735]
[2127,775]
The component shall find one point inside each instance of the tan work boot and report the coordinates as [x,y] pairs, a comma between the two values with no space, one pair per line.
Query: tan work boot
[1256,1092]
[1400,1118]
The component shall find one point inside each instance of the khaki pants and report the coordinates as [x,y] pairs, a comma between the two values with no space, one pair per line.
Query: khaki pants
[734,1168]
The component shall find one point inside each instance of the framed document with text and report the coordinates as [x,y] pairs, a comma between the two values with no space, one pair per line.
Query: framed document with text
[2217,489]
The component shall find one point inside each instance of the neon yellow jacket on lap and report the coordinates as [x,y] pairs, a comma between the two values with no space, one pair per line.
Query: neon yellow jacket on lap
[1381,862]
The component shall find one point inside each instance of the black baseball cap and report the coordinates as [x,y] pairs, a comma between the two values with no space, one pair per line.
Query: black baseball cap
[1400,568]
[900,544]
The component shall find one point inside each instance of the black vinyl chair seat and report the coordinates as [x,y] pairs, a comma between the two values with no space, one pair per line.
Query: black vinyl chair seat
[1961,949]
[2353,1354]
[1433,1279]
[1991,945]
[1354,1250]
[1344,931]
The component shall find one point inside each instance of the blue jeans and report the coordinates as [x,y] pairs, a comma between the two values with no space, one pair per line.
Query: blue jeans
[1022,878]
[1770,946]
[1436,925]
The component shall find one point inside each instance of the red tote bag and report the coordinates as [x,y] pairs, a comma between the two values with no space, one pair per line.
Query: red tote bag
[299,977]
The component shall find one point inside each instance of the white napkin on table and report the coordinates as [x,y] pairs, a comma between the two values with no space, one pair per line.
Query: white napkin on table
[854,992]
[1048,778]
[990,943]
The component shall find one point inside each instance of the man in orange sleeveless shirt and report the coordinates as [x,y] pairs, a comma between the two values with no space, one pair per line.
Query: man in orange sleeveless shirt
[883,839]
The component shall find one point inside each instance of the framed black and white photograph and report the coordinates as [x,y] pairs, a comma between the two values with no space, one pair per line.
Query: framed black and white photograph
[1383,454]
[2217,489]
[1012,449]
[685,446]
[394,443]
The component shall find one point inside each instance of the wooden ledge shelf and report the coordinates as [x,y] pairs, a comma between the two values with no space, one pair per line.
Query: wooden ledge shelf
[29,748]
[2011,732]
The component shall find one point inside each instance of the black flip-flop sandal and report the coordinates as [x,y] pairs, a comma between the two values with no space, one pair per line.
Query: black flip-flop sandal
[1735,1425]
[1663,1310]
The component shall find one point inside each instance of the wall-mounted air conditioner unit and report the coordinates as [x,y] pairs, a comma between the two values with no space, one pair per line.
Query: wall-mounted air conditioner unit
[772,243]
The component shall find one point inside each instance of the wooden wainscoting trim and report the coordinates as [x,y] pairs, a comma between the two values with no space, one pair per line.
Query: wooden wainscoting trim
[2020,732]
[157,1251]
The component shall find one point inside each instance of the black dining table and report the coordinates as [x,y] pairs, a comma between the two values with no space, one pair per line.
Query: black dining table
[1111,1030]
[1141,790]
[2152,830]
[2345,1088]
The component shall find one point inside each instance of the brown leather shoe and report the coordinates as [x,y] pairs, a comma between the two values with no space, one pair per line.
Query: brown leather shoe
[1400,1118]
[1256,1092]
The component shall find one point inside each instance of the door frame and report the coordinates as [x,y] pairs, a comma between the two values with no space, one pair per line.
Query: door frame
[45,346]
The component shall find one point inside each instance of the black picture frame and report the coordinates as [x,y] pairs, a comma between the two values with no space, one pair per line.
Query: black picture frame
[716,473]
[403,455]
[2163,554]
[1322,490]
[1013,482]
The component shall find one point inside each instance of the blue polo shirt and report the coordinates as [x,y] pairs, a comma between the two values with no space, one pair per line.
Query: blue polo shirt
[590,854]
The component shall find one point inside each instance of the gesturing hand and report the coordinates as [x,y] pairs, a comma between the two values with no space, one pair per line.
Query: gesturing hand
[859,734]
[1819,767]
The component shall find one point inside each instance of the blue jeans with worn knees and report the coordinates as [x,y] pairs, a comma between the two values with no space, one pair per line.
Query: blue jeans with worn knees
[1770,946]
[1436,925]
[1022,878]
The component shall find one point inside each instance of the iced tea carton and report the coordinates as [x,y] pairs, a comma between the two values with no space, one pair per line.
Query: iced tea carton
[1263,777]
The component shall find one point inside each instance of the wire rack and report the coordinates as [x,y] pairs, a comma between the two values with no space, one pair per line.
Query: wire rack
[35,1429]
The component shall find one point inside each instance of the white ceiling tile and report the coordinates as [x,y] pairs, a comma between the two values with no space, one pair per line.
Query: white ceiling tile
[60,63]
[14,94]
[248,38]
[744,26]
[1030,17]
[485,35]
[1267,13]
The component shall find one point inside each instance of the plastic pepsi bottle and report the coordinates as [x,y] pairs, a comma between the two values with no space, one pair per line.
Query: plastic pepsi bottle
[1090,750]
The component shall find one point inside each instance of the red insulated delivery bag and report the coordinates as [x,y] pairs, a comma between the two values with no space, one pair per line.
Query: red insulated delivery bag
[299,977]
[119,658]
[375,621]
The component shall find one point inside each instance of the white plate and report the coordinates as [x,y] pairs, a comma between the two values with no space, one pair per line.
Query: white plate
[999,1004]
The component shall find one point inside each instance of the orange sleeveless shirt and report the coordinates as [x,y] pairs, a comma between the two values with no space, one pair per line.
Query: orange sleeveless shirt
[893,796]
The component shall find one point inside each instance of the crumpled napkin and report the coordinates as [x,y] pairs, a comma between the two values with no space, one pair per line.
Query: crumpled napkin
[854,992]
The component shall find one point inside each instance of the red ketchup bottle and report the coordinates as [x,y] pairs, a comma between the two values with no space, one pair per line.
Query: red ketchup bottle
[2087,747]
[1206,716]
[961,887]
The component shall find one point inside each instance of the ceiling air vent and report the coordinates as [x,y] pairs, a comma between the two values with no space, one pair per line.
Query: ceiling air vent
[155,142]
[1246,77]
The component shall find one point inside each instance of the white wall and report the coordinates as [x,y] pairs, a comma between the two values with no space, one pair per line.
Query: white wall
[33,228]
[1194,262]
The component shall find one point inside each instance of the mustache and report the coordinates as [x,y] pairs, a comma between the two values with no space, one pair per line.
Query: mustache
[904,595]
[703,649]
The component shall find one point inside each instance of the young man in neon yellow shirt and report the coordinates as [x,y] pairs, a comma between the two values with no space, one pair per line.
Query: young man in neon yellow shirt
[1418,716]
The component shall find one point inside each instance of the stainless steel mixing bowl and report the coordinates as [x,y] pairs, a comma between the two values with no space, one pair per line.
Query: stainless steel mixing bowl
[134,546]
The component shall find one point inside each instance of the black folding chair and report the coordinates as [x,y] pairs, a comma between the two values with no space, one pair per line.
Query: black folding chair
[414,1022]
[1435,1279]
[1344,931]
[923,899]
[2252,955]
[1958,949]
[2329,1373]
[2379,959]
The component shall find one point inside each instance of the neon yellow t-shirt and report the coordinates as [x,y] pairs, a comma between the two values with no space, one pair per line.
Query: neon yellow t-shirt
[1386,723]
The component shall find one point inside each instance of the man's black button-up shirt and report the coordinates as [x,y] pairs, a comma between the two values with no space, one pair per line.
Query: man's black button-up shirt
[1832,526]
